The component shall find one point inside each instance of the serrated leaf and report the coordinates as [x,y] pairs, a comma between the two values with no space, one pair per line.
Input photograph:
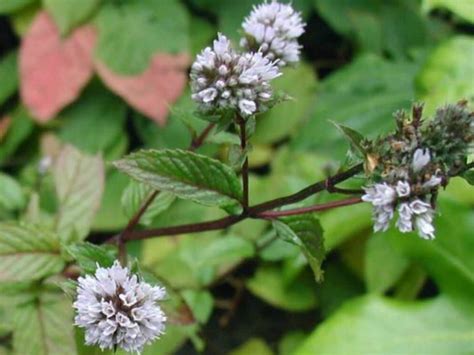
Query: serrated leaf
[136,194]
[27,253]
[305,231]
[11,194]
[188,175]
[88,255]
[44,327]
[79,180]
[354,137]
[69,14]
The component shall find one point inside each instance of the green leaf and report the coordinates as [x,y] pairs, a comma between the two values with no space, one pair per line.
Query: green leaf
[79,180]
[27,253]
[10,6]
[462,8]
[360,98]
[9,75]
[11,195]
[374,25]
[200,302]
[354,137]
[269,284]
[88,255]
[186,174]
[95,122]
[448,258]
[284,119]
[69,14]
[383,264]
[377,325]
[136,194]
[469,177]
[253,346]
[226,250]
[131,32]
[305,231]
[447,74]
[44,327]
[20,128]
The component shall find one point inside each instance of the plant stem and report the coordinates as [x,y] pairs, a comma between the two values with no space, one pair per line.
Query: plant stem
[315,208]
[245,166]
[252,212]
[199,140]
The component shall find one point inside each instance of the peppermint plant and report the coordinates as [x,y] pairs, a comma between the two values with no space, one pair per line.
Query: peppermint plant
[117,302]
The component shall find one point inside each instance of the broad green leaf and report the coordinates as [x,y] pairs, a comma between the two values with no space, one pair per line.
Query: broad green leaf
[11,194]
[469,177]
[69,14]
[110,216]
[359,97]
[447,76]
[10,6]
[268,283]
[200,302]
[27,253]
[253,346]
[20,128]
[447,259]
[374,25]
[377,325]
[79,180]
[131,32]
[462,8]
[226,250]
[186,174]
[9,75]
[88,255]
[284,119]
[44,327]
[305,231]
[95,122]
[383,264]
[136,194]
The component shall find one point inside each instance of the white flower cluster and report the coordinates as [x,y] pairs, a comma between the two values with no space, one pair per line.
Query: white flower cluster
[224,79]
[273,29]
[117,309]
[413,212]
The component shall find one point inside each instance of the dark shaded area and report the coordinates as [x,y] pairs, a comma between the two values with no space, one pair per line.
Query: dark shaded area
[8,38]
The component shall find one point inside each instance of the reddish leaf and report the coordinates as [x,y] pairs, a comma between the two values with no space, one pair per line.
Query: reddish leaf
[53,70]
[152,91]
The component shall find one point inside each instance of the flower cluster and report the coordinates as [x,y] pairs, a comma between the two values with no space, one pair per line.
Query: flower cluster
[409,166]
[117,309]
[273,29]
[224,79]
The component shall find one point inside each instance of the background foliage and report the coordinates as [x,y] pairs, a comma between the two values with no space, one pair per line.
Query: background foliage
[108,77]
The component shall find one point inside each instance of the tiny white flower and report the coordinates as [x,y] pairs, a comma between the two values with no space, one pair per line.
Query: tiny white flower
[273,28]
[421,158]
[224,79]
[403,188]
[432,182]
[424,225]
[379,194]
[404,222]
[382,215]
[419,207]
[118,310]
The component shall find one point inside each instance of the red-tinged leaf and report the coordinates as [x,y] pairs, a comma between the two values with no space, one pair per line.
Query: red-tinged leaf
[152,91]
[53,70]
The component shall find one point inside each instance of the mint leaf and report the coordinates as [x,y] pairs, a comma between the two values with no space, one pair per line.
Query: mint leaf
[188,175]
[28,253]
[88,255]
[305,231]
[354,137]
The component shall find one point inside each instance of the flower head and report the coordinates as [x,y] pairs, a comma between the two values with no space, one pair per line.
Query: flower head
[117,309]
[224,79]
[273,29]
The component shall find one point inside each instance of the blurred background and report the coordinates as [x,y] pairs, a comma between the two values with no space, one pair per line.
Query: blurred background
[110,76]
